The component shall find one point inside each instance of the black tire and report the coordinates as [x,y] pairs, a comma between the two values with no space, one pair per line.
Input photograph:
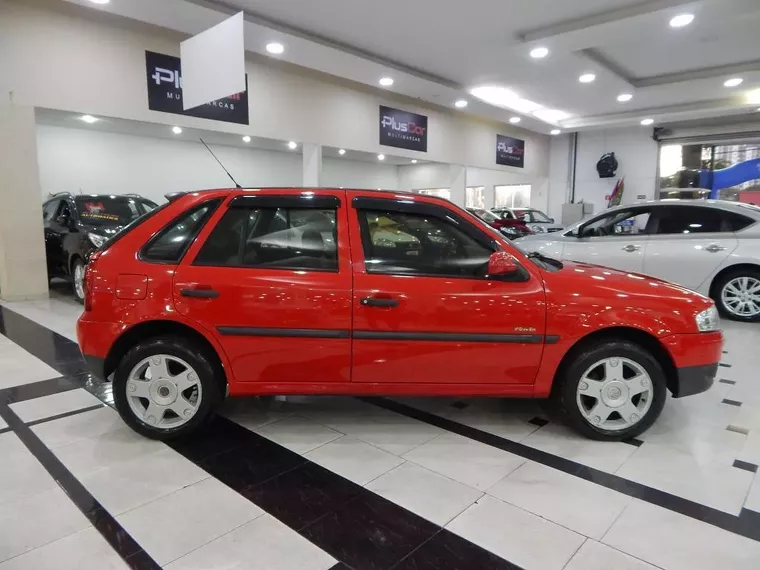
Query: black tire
[568,379]
[721,283]
[76,266]
[209,374]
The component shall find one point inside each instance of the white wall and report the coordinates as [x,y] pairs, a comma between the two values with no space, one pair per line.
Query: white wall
[100,162]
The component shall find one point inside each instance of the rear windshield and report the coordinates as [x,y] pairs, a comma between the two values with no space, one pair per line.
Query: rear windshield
[111,210]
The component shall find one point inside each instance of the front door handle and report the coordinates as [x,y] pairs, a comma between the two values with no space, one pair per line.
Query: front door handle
[373,302]
[714,248]
[199,293]
[631,248]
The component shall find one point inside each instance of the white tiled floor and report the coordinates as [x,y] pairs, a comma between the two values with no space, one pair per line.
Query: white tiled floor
[55,404]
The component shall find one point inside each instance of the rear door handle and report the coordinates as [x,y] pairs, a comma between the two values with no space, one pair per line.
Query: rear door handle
[199,293]
[373,302]
[714,248]
[631,248]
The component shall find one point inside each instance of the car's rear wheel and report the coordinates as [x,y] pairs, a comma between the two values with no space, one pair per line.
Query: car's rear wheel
[612,390]
[166,387]
[737,295]
[77,274]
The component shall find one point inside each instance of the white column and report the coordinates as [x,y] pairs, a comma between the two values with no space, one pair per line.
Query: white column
[23,269]
[458,183]
[312,165]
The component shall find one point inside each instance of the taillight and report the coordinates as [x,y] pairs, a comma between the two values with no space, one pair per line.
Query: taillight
[89,279]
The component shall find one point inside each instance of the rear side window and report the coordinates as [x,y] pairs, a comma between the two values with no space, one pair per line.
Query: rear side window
[737,222]
[693,220]
[277,238]
[171,243]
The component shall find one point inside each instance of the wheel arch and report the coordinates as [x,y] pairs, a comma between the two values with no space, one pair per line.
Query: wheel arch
[725,271]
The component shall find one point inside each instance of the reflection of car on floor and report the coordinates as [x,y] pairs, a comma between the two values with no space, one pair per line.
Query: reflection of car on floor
[511,228]
[75,225]
[536,220]
[708,246]
[358,292]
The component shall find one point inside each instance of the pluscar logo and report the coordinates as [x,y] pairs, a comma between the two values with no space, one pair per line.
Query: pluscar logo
[509,149]
[161,75]
[409,128]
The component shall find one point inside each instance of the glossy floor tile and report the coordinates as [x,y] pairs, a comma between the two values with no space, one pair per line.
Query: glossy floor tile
[17,367]
[354,459]
[594,555]
[55,404]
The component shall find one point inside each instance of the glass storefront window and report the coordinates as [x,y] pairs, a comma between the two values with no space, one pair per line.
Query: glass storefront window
[440,192]
[475,197]
[512,196]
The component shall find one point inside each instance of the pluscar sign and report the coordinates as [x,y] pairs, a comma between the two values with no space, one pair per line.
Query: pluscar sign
[403,129]
[510,151]
[164,75]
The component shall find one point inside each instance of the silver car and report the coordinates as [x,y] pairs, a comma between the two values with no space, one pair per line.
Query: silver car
[711,246]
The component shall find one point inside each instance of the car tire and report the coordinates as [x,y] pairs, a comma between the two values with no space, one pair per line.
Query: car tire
[77,280]
[609,372]
[135,393]
[732,285]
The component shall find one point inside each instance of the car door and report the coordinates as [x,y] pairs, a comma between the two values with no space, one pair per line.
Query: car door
[52,247]
[689,243]
[424,312]
[57,229]
[615,239]
[270,277]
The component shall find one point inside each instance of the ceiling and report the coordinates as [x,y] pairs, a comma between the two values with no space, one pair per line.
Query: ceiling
[439,55]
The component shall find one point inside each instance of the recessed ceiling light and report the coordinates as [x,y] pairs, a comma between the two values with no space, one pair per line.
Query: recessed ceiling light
[292,145]
[624,97]
[681,20]
[734,82]
[177,130]
[246,138]
[647,122]
[89,119]
[414,160]
[515,120]
[539,52]
[386,81]
[556,132]
[505,98]
[341,151]
[460,104]
[275,48]
[587,78]
[551,115]
[380,157]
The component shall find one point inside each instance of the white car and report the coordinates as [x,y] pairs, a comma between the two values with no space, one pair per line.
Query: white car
[710,246]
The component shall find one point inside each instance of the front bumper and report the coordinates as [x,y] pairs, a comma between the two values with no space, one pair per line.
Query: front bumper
[96,365]
[693,380]
[696,358]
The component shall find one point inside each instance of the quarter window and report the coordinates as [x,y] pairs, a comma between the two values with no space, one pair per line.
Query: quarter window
[692,220]
[172,242]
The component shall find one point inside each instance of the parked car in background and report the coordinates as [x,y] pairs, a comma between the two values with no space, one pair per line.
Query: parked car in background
[512,229]
[712,247]
[240,292]
[75,225]
[536,220]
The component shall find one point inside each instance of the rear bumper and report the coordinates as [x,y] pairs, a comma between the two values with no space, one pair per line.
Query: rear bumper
[696,357]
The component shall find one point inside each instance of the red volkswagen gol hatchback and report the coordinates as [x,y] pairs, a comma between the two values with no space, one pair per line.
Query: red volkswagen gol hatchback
[292,291]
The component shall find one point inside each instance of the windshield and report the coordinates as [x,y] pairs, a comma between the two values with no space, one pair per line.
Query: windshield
[533,216]
[108,211]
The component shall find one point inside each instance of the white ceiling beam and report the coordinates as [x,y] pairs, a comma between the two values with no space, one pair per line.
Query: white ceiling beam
[695,74]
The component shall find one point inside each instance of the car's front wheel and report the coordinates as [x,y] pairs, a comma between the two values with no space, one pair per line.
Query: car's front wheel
[612,390]
[737,295]
[166,387]
[77,274]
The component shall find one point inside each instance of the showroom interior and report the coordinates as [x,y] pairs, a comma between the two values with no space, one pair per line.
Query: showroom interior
[604,154]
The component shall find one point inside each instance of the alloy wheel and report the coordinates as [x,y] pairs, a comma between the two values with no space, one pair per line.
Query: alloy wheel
[741,297]
[163,391]
[614,394]
[79,280]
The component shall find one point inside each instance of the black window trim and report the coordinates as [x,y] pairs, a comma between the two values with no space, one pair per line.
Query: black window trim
[215,202]
[365,203]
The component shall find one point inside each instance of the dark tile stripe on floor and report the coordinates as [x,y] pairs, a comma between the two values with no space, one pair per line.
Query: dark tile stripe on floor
[65,415]
[745,524]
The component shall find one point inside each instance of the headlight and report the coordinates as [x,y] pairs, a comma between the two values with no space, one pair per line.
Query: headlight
[96,239]
[708,320]
[538,229]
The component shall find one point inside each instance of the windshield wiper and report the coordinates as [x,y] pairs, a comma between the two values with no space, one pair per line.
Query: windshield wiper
[546,259]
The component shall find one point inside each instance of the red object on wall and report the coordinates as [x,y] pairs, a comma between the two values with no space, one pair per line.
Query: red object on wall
[750,197]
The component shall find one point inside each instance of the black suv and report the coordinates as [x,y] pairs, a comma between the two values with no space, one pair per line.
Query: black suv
[77,224]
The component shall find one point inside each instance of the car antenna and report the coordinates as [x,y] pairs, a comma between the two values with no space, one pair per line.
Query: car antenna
[220,164]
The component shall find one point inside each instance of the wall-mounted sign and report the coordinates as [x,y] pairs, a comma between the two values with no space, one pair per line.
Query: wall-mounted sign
[403,129]
[510,151]
[164,73]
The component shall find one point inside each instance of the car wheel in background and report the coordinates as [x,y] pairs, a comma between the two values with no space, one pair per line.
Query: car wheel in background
[77,274]
[612,390]
[166,387]
[737,295]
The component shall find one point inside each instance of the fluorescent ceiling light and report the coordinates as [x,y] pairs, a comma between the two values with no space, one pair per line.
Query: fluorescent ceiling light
[341,151]
[647,122]
[89,119]
[246,138]
[624,97]
[275,48]
[681,20]
[414,161]
[100,1]
[460,104]
[556,132]
[292,145]
[539,52]
[386,81]
[587,78]
[551,115]
[176,130]
[504,98]
[734,82]
[515,120]
[380,157]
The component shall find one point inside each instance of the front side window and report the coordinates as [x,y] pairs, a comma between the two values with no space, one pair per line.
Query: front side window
[278,238]
[696,220]
[619,223]
[172,242]
[419,244]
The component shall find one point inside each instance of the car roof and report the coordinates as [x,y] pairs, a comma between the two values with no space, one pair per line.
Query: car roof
[738,207]
[274,189]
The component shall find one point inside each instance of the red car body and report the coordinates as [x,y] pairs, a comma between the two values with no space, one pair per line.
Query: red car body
[280,331]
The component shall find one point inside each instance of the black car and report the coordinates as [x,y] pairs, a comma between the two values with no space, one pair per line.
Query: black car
[75,225]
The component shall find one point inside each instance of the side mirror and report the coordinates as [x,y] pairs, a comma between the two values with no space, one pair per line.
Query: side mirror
[502,263]
[551,220]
